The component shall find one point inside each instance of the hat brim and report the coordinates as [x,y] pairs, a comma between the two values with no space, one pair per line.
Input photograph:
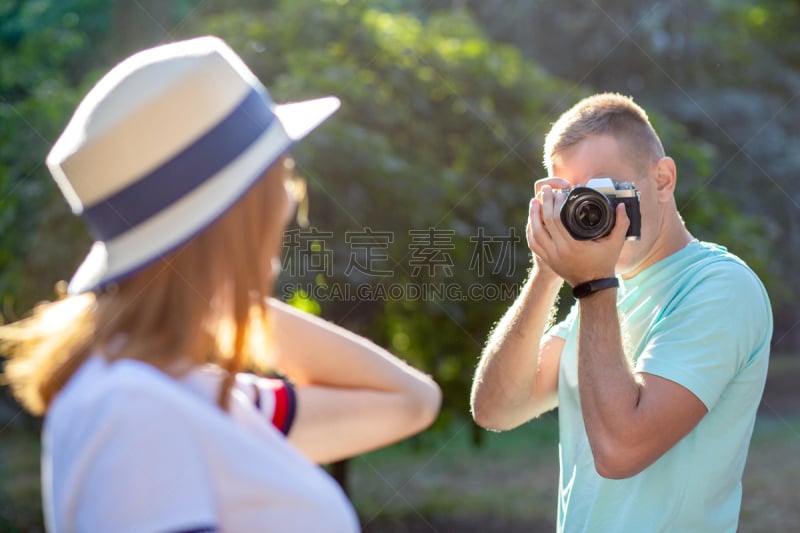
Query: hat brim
[300,118]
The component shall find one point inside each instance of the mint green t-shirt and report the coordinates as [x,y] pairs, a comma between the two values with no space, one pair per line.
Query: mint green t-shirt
[700,318]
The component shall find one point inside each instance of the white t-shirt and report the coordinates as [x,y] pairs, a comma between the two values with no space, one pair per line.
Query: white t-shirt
[128,449]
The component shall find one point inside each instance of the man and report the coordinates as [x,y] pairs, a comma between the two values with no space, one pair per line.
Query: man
[659,367]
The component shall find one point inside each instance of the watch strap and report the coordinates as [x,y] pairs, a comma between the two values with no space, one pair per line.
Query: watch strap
[583,290]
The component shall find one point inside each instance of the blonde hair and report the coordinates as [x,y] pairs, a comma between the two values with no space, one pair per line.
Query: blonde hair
[605,114]
[203,302]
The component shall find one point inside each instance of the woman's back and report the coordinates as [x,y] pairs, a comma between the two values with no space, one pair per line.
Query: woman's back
[124,443]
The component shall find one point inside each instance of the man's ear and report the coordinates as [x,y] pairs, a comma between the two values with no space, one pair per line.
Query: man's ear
[666,178]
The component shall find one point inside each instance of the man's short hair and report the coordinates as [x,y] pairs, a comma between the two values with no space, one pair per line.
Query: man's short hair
[605,114]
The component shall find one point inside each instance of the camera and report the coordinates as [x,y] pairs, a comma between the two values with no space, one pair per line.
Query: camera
[589,210]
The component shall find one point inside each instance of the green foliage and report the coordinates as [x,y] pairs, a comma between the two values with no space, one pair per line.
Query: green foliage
[42,49]
[301,300]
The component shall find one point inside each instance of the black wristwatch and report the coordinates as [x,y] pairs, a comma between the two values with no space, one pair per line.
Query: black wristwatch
[590,287]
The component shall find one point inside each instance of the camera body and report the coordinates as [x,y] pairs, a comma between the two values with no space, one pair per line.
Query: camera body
[589,211]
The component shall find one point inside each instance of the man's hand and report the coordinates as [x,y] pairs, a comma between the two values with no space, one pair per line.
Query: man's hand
[535,212]
[556,250]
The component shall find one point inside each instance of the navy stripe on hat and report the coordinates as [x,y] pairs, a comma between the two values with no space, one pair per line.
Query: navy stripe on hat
[180,175]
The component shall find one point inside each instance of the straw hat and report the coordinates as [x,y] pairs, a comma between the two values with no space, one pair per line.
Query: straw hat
[163,145]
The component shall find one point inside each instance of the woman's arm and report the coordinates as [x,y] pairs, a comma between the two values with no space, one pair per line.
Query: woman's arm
[352,396]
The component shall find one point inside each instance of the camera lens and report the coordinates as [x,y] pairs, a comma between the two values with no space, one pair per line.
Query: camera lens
[587,214]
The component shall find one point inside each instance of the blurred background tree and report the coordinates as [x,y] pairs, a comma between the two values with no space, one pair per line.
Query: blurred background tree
[445,105]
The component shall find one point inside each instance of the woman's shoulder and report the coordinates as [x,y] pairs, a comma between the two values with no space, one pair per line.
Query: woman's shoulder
[100,380]
[124,390]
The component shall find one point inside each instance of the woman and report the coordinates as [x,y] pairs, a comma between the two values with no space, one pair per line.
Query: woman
[177,161]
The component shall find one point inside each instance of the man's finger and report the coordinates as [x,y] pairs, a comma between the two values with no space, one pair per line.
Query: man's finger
[622,223]
[539,237]
[547,196]
[553,181]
